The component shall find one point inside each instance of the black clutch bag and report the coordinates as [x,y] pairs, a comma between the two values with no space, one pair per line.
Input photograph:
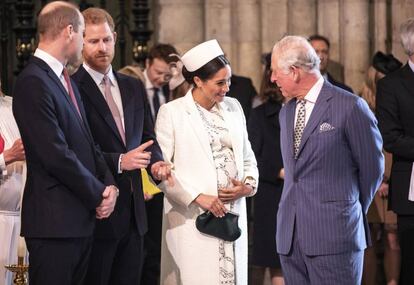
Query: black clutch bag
[225,228]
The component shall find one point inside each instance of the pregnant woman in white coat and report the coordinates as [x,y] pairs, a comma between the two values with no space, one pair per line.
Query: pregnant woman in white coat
[203,134]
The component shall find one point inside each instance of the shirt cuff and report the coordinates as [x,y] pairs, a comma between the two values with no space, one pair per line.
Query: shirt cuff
[119,163]
[2,162]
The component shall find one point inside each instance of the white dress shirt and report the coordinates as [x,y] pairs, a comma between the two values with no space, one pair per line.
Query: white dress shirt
[116,93]
[150,94]
[54,64]
[310,99]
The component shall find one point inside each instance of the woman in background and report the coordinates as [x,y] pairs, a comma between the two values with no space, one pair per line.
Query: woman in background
[12,178]
[264,132]
[383,223]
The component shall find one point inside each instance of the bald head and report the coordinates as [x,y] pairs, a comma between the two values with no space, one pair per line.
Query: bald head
[55,17]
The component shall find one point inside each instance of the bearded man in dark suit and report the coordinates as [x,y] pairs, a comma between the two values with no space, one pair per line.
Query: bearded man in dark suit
[121,124]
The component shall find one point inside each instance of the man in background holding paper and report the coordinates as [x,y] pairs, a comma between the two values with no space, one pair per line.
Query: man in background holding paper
[12,176]
[121,124]
[395,101]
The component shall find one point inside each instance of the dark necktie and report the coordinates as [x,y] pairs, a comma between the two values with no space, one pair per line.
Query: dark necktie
[299,127]
[1,144]
[112,106]
[156,102]
[70,90]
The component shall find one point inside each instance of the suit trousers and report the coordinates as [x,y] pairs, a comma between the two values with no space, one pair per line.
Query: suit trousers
[116,260]
[406,239]
[152,241]
[62,261]
[339,269]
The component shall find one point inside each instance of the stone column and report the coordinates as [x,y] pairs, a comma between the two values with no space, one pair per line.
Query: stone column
[180,22]
[247,43]
[401,11]
[379,26]
[274,22]
[328,25]
[302,17]
[355,43]
[218,24]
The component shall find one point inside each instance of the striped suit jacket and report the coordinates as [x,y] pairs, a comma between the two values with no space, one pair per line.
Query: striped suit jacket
[330,186]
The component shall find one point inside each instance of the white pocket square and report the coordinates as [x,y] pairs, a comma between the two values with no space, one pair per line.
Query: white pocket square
[325,127]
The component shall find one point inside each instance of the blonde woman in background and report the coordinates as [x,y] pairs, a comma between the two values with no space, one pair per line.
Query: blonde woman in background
[382,222]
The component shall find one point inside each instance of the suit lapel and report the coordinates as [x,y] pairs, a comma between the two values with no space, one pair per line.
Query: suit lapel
[94,94]
[127,98]
[408,78]
[65,95]
[318,111]
[290,124]
[198,126]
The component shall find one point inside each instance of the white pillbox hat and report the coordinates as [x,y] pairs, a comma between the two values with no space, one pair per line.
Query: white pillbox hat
[201,54]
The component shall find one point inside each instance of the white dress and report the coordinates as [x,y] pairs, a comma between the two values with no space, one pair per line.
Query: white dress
[11,188]
[223,156]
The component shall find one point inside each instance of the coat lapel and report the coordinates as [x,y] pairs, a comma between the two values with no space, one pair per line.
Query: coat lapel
[272,110]
[198,126]
[94,94]
[318,111]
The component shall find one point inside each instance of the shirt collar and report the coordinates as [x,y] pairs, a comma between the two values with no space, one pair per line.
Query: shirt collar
[411,64]
[50,60]
[98,77]
[148,83]
[313,93]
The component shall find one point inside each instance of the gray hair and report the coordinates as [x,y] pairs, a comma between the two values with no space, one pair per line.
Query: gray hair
[407,36]
[296,51]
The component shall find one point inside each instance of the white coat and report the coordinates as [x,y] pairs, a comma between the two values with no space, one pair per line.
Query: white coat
[187,256]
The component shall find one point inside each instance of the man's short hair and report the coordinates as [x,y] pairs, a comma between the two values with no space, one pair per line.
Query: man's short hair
[51,23]
[296,51]
[96,16]
[407,36]
[163,52]
[320,38]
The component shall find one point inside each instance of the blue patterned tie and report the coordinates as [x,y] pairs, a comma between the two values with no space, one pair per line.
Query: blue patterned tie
[300,125]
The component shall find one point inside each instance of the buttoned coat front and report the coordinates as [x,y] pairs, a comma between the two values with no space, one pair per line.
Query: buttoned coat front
[187,256]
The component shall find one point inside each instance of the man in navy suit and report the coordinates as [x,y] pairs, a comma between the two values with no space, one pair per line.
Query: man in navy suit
[332,155]
[121,123]
[66,174]
[395,101]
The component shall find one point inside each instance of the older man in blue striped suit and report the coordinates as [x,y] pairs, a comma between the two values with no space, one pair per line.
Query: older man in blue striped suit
[333,163]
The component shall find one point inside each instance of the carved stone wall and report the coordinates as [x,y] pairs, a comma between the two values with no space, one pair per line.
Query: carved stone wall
[248,28]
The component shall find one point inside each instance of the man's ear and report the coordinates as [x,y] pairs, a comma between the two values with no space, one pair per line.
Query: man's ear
[115,36]
[147,63]
[296,74]
[68,32]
